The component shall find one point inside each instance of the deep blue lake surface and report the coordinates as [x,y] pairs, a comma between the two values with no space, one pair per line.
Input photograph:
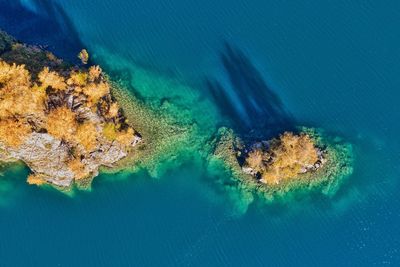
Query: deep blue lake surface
[334,64]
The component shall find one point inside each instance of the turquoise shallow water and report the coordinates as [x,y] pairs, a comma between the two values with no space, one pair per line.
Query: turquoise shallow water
[333,64]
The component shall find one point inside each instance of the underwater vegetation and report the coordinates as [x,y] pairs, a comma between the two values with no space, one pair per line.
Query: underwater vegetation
[263,149]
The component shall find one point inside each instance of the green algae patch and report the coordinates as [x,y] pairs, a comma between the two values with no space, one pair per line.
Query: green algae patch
[326,180]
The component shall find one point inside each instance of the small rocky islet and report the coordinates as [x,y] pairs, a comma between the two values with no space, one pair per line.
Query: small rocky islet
[65,123]
[305,160]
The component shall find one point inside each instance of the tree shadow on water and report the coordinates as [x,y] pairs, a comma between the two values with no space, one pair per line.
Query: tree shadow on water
[43,23]
[250,106]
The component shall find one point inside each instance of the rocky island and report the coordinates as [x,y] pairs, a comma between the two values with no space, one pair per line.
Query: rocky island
[60,120]
[67,122]
[306,160]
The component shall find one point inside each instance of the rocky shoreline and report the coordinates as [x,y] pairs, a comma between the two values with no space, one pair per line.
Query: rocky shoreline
[68,122]
[332,167]
[60,120]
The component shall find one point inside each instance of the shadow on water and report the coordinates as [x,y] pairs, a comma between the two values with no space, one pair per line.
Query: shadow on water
[43,23]
[248,103]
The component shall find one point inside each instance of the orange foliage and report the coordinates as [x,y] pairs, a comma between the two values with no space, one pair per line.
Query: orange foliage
[22,101]
[61,123]
[21,98]
[87,136]
[78,168]
[113,111]
[17,96]
[51,79]
[13,132]
[95,91]
[113,133]
[94,73]
[77,78]
[125,137]
[36,179]
[286,158]
[255,160]
[13,76]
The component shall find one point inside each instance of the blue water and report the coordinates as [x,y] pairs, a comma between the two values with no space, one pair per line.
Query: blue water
[334,64]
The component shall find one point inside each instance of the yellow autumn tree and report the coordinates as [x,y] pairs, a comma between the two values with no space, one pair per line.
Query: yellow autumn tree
[110,131]
[113,110]
[255,160]
[286,158]
[94,73]
[87,135]
[22,101]
[13,76]
[78,78]
[78,168]
[125,137]
[51,79]
[113,133]
[13,132]
[36,179]
[17,96]
[95,91]
[61,123]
